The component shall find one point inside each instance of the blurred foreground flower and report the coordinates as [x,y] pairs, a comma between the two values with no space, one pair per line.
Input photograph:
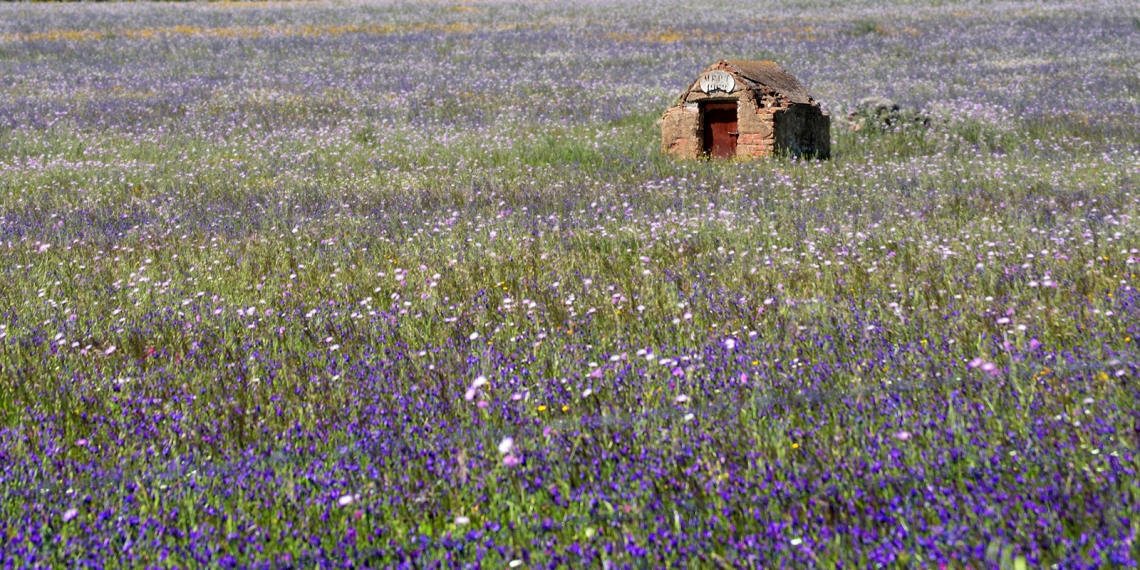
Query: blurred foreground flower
[506,445]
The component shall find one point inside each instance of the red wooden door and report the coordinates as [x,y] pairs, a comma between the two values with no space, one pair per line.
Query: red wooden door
[720,130]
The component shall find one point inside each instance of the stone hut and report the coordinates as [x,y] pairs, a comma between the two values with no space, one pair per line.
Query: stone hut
[746,109]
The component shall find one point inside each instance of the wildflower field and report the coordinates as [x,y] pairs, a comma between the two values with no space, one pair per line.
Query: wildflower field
[411,285]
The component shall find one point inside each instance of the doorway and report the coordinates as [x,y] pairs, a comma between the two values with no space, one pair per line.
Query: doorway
[719,123]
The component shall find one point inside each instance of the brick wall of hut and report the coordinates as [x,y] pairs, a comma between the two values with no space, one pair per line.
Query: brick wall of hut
[766,122]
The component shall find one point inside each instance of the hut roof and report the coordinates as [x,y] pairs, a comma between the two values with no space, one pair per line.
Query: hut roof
[772,76]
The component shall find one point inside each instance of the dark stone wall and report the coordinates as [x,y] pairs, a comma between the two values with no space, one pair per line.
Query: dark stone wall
[803,130]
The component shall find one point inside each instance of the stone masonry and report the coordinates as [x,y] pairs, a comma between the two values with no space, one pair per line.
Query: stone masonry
[775,114]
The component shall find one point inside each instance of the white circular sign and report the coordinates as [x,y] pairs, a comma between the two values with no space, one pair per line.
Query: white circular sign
[718,80]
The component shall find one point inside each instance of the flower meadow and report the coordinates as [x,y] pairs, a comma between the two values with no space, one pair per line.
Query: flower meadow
[410,285]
